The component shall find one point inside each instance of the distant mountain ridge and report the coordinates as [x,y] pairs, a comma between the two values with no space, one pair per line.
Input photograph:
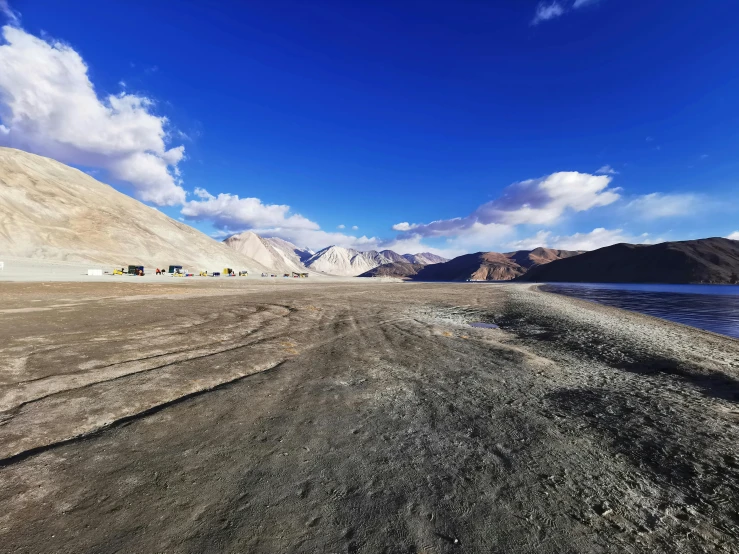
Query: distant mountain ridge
[337,260]
[274,253]
[400,270]
[283,256]
[712,260]
[491,266]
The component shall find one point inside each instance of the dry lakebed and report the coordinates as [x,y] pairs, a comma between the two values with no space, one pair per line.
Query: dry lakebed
[355,416]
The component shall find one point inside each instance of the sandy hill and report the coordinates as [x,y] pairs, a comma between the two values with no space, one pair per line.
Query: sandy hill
[491,266]
[274,253]
[54,212]
[712,260]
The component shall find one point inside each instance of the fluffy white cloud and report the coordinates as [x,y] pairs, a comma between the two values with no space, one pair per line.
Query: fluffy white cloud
[49,106]
[734,236]
[606,170]
[546,11]
[228,211]
[597,238]
[535,201]
[658,205]
[231,214]
[342,226]
[539,239]
[354,227]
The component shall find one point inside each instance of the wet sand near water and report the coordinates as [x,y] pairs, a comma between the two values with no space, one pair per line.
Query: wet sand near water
[352,416]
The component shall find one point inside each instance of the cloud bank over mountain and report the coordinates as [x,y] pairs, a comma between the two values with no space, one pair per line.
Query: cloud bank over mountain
[49,106]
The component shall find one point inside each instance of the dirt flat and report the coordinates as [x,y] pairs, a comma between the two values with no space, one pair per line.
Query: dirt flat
[247,416]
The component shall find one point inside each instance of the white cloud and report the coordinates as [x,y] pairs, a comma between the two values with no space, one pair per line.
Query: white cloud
[734,236]
[13,17]
[414,245]
[228,211]
[540,201]
[354,227]
[546,11]
[540,239]
[658,205]
[481,236]
[48,105]
[606,170]
[342,226]
[580,3]
[231,214]
[597,238]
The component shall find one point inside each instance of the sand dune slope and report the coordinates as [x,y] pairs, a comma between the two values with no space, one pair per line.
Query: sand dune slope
[54,212]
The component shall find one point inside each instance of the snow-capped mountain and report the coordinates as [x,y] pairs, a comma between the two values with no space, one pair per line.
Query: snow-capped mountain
[336,260]
[424,258]
[283,256]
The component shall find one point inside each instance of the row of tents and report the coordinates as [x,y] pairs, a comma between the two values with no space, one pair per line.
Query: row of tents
[294,274]
[178,271]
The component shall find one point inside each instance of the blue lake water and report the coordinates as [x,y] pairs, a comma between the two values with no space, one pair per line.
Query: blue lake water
[710,307]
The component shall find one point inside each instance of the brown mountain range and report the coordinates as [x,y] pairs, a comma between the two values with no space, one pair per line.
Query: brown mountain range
[481,266]
[712,260]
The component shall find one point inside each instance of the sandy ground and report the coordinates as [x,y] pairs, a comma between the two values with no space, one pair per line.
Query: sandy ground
[252,416]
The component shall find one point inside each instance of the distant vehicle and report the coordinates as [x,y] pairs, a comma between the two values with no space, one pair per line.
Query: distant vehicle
[174,269]
[303,275]
[228,271]
[136,270]
[264,275]
[243,273]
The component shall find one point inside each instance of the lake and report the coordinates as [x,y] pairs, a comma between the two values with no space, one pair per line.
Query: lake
[710,307]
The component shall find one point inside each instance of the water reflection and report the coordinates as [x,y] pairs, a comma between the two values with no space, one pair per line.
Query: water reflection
[710,307]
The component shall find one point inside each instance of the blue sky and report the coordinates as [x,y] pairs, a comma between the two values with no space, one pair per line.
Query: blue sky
[444,126]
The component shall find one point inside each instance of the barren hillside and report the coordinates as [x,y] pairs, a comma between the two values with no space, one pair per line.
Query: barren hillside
[51,211]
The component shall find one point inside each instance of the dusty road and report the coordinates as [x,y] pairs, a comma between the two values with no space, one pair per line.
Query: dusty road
[238,416]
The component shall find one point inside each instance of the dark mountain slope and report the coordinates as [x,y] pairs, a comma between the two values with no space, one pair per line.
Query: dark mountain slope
[394,269]
[713,260]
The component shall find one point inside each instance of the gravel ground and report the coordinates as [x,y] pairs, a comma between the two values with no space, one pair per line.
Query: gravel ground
[242,416]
